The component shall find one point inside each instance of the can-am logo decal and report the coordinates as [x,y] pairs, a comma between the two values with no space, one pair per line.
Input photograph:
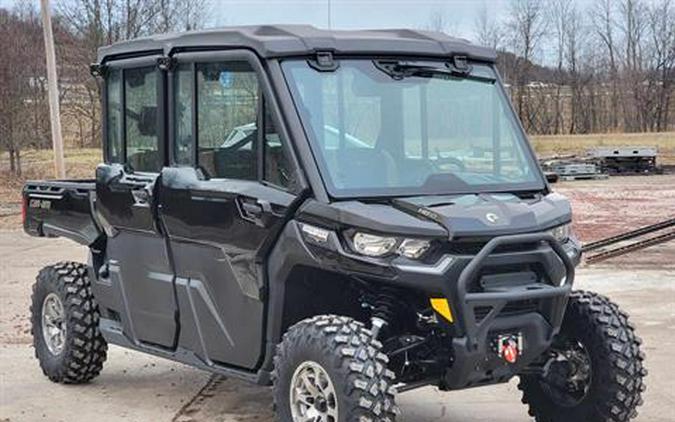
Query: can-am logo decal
[492,217]
[37,203]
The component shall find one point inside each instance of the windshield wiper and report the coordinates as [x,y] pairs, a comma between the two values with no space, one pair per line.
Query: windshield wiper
[399,70]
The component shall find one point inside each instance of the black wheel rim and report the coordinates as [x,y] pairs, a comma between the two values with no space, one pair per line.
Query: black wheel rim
[568,374]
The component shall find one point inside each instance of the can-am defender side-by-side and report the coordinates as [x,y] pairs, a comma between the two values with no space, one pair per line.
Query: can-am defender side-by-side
[342,214]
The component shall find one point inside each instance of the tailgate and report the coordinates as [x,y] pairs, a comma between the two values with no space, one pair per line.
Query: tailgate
[60,208]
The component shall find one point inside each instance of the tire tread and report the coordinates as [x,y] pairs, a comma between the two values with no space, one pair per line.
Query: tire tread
[85,349]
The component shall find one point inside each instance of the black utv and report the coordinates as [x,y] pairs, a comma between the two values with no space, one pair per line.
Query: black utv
[340,214]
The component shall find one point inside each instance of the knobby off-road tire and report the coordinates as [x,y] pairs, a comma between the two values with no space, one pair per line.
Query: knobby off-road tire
[81,355]
[346,350]
[616,362]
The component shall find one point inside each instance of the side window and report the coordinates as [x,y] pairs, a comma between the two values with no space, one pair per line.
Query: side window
[142,141]
[114,115]
[228,103]
[227,111]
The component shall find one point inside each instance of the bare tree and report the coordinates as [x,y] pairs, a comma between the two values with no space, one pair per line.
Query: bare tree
[559,12]
[182,15]
[488,32]
[439,22]
[526,30]
[662,29]
[22,83]
[95,23]
[603,17]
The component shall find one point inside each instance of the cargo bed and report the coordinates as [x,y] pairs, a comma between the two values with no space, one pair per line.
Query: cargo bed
[63,208]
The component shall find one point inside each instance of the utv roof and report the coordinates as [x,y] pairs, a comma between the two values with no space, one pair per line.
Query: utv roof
[272,41]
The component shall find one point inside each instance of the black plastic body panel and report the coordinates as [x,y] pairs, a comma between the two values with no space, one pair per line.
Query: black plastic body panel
[137,285]
[273,41]
[218,249]
[451,277]
[136,281]
[61,208]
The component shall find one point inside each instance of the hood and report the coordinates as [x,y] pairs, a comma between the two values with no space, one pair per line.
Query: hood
[490,214]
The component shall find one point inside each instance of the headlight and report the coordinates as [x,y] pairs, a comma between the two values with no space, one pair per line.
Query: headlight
[413,248]
[373,245]
[315,234]
[561,233]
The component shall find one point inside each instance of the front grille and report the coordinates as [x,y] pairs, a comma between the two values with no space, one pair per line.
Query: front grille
[472,247]
[518,307]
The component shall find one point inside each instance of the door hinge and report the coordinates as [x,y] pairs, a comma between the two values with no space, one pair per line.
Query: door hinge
[324,62]
[461,64]
[98,70]
[166,63]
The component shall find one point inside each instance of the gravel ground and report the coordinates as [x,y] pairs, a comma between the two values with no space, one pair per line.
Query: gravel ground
[135,387]
[604,208]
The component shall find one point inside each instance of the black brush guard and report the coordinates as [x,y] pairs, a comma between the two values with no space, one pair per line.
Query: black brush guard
[475,363]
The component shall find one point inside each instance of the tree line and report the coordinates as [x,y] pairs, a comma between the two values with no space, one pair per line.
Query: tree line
[80,28]
[610,64]
[570,67]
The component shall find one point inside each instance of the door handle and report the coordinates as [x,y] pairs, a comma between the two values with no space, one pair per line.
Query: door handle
[141,197]
[258,211]
[251,210]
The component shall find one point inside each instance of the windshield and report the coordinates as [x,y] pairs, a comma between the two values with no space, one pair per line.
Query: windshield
[407,130]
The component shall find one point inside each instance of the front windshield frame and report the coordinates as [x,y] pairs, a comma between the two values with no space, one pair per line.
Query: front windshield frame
[537,184]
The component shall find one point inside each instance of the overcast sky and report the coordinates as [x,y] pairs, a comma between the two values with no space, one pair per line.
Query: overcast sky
[459,14]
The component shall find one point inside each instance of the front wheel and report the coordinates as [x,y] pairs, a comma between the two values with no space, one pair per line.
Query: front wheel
[594,371]
[330,369]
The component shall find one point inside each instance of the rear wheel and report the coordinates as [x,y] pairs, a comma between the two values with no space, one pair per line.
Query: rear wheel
[64,319]
[330,369]
[594,371]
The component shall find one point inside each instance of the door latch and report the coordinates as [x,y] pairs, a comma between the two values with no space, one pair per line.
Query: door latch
[141,197]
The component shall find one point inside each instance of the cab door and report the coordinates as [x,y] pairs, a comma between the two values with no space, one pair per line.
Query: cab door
[135,284]
[222,200]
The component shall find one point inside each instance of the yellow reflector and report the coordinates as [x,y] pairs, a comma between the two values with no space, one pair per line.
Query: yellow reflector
[442,306]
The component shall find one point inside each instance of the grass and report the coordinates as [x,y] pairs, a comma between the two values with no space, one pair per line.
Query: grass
[39,164]
[578,144]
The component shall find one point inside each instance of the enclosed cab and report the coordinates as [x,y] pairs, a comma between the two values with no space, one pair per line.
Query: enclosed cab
[343,214]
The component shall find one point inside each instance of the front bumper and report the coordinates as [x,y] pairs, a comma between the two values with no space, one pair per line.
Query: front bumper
[481,311]
[475,359]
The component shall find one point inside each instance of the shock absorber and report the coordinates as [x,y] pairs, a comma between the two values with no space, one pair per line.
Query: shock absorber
[383,310]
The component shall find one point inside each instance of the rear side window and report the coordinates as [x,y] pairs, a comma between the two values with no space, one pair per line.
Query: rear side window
[114,115]
[142,140]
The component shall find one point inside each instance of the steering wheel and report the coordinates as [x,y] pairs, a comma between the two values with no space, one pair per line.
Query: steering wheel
[442,162]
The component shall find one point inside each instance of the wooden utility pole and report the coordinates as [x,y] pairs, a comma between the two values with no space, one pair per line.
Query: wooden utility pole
[52,84]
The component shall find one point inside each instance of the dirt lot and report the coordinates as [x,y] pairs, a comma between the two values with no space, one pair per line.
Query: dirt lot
[604,208]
